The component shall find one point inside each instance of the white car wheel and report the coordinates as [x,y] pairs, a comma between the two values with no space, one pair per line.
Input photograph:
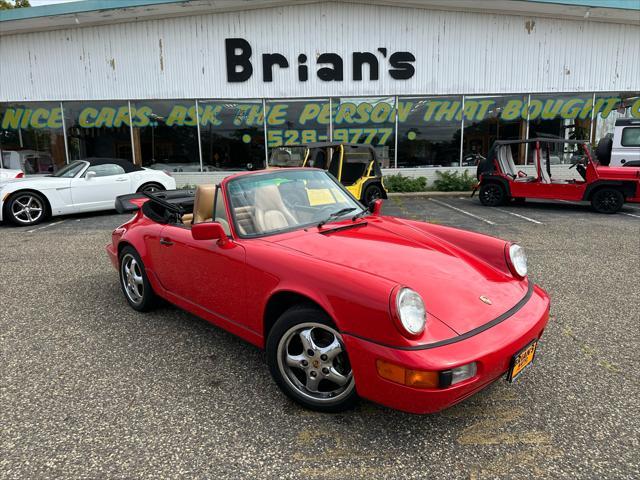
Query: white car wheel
[26,209]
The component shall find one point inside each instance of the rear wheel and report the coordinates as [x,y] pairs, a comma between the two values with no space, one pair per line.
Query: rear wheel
[308,360]
[492,194]
[134,282]
[607,200]
[26,209]
[371,193]
[151,188]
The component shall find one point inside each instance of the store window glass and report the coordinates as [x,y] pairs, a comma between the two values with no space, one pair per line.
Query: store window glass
[611,106]
[429,131]
[566,116]
[491,118]
[98,130]
[232,135]
[294,122]
[165,135]
[368,121]
[31,137]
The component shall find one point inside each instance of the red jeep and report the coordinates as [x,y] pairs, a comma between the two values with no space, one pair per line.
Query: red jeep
[607,188]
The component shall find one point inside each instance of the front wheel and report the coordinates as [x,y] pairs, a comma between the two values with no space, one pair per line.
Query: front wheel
[308,360]
[607,200]
[26,209]
[492,195]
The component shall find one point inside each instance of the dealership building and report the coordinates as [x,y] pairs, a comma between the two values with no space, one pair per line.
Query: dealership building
[203,88]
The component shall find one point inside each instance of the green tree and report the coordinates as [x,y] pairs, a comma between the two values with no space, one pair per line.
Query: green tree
[7,5]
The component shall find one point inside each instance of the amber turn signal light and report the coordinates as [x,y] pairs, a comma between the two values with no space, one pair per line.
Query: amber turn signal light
[405,376]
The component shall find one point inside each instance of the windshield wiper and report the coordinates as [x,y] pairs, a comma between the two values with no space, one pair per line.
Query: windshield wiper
[337,214]
[365,211]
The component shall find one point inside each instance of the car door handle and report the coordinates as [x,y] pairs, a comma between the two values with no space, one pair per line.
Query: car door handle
[121,179]
[166,241]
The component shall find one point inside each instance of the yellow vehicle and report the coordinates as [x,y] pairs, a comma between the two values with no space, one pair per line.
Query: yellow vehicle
[355,166]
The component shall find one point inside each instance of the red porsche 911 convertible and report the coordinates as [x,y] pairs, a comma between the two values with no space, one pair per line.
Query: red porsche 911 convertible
[345,301]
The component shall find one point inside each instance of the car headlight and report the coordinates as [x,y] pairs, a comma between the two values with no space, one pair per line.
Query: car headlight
[411,312]
[518,260]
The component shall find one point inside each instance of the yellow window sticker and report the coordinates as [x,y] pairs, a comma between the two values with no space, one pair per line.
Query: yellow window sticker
[320,196]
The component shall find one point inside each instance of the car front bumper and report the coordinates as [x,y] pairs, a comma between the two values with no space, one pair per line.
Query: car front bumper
[492,350]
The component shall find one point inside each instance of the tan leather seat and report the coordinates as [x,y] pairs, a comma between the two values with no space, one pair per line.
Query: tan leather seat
[203,204]
[187,219]
[271,213]
[245,220]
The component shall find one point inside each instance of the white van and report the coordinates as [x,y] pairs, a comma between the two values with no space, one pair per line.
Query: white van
[622,148]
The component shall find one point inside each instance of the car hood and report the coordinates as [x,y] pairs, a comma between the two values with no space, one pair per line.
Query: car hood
[451,281]
[37,181]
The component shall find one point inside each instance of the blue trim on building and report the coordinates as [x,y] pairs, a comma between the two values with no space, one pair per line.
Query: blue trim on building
[615,4]
[76,7]
[97,5]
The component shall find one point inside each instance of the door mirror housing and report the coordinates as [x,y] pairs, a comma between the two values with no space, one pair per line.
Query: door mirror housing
[375,206]
[209,231]
[89,175]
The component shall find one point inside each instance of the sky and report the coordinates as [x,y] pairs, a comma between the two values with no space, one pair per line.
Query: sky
[37,3]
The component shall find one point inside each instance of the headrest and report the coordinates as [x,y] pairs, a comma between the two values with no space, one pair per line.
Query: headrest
[203,204]
[268,198]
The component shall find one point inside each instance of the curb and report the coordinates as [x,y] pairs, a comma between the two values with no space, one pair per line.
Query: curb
[430,194]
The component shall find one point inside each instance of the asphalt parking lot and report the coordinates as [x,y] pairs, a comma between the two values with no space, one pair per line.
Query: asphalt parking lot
[91,389]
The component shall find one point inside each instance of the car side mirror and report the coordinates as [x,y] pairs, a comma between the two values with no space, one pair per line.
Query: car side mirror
[375,206]
[209,231]
[89,175]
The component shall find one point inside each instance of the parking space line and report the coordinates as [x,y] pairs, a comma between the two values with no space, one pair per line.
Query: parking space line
[464,212]
[45,226]
[518,215]
[630,215]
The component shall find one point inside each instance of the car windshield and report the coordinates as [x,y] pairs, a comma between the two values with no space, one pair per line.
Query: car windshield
[70,170]
[283,200]
[288,157]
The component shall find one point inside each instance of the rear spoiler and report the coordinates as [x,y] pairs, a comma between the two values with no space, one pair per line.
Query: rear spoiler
[168,199]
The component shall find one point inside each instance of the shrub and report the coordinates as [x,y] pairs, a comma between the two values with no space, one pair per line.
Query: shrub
[398,183]
[454,181]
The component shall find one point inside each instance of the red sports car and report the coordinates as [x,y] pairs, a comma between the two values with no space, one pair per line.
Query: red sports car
[345,301]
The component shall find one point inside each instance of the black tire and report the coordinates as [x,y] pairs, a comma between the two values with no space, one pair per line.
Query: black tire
[151,187]
[371,193]
[492,194]
[607,200]
[26,209]
[284,341]
[603,151]
[139,295]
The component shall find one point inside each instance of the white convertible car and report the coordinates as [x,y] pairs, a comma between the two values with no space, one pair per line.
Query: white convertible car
[81,186]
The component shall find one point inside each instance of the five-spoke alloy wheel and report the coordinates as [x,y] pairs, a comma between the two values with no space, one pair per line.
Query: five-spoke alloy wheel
[134,282]
[308,360]
[26,209]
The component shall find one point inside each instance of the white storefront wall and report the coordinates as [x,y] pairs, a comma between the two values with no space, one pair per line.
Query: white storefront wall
[456,53]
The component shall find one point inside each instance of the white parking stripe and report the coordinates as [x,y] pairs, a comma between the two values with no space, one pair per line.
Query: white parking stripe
[519,216]
[45,226]
[462,211]
[630,215]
